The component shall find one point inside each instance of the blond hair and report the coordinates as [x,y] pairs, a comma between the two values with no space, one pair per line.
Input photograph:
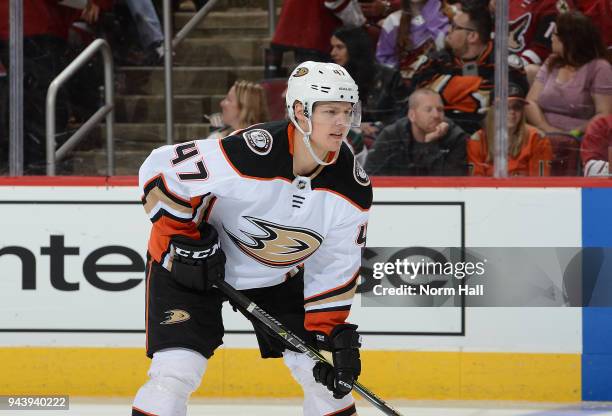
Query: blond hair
[516,138]
[252,103]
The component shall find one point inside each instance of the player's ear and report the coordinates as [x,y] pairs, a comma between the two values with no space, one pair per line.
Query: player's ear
[411,115]
[298,109]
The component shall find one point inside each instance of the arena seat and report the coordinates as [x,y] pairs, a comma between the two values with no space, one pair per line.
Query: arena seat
[275,88]
[566,154]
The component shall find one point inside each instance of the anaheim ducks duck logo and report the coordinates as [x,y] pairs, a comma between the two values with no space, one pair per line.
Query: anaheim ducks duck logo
[300,72]
[278,245]
[175,316]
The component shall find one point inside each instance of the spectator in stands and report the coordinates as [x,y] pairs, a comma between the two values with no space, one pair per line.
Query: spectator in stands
[422,144]
[417,29]
[375,11]
[596,147]
[381,90]
[244,105]
[530,30]
[46,24]
[305,28]
[600,12]
[149,30]
[464,74]
[575,83]
[528,153]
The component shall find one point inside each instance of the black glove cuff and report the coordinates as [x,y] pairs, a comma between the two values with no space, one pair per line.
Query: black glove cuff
[345,336]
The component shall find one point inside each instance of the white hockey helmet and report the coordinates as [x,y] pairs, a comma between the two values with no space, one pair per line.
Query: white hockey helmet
[312,82]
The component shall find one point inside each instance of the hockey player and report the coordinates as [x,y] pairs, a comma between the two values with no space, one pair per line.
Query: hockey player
[279,210]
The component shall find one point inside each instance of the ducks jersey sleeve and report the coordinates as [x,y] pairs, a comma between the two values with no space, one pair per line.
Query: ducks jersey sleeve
[331,275]
[178,192]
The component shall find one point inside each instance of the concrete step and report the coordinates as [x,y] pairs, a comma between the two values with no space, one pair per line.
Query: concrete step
[243,4]
[221,51]
[143,136]
[93,162]
[133,143]
[151,108]
[236,22]
[150,134]
[211,80]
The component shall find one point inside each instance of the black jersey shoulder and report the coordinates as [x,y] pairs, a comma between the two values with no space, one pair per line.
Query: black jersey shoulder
[347,178]
[260,151]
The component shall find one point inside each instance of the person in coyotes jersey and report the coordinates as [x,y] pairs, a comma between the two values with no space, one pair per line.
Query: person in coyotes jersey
[286,205]
[531,25]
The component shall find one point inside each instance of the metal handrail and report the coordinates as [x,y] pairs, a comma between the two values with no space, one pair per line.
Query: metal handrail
[170,45]
[16,89]
[271,17]
[500,155]
[105,111]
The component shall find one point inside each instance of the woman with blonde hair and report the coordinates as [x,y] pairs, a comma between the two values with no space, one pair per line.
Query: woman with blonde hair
[529,154]
[244,105]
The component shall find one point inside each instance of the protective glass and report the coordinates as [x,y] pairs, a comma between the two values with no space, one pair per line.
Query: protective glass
[335,116]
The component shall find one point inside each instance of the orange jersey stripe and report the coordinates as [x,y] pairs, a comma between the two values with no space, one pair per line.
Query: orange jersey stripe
[324,321]
[163,229]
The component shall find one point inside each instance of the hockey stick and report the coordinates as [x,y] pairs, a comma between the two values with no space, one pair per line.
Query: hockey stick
[293,340]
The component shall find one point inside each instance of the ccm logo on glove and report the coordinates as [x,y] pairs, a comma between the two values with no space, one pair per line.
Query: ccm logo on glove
[197,254]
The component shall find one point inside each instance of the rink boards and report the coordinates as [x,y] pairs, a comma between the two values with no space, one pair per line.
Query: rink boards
[73,317]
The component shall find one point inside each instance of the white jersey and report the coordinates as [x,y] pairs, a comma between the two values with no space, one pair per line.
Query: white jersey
[270,222]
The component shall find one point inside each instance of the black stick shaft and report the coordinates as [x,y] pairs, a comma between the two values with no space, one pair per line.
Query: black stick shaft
[293,340]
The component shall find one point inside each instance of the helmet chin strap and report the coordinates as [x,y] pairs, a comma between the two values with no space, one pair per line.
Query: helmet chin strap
[306,139]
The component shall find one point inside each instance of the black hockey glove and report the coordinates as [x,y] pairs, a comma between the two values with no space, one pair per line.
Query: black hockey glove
[343,342]
[197,264]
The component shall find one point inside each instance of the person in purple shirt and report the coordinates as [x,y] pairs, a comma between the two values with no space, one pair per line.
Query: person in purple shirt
[416,28]
[575,83]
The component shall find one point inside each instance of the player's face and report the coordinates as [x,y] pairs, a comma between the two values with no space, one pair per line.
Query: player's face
[339,53]
[230,109]
[515,114]
[428,113]
[330,125]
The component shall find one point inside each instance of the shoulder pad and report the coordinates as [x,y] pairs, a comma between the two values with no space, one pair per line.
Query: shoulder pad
[347,178]
[258,151]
